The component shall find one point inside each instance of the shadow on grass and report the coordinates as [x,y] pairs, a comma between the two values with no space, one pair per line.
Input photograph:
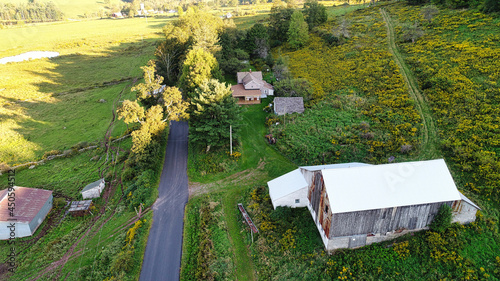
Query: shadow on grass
[68,99]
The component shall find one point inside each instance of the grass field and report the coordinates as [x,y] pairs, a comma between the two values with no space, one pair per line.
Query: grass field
[72,10]
[54,103]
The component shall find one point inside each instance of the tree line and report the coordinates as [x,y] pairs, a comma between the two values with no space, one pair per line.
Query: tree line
[488,6]
[29,12]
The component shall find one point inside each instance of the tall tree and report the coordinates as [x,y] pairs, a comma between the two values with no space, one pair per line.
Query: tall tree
[298,32]
[170,54]
[198,67]
[214,110]
[148,91]
[279,22]
[315,13]
[491,6]
[197,28]
[257,37]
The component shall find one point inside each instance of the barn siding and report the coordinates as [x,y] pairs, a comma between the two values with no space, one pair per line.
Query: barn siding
[463,212]
[384,220]
[38,219]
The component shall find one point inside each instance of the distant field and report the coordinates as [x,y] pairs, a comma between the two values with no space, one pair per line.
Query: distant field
[70,9]
[53,104]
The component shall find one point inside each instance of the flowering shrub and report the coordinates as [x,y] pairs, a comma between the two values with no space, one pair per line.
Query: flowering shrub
[355,82]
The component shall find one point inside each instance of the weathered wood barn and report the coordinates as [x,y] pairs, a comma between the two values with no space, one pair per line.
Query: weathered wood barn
[31,207]
[357,204]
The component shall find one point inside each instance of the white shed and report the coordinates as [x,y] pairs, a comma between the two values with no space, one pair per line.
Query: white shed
[94,189]
[289,190]
[32,206]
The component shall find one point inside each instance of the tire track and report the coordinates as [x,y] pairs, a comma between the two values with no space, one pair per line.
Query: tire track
[429,137]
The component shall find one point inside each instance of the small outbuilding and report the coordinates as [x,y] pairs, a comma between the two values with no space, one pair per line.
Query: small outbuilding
[94,189]
[288,105]
[31,207]
[80,208]
[357,204]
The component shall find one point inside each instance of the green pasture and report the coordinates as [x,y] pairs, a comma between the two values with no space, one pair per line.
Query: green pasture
[49,104]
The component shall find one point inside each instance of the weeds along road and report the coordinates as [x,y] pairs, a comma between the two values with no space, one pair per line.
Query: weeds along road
[162,259]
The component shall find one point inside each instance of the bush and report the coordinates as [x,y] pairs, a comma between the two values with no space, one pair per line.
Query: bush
[442,220]
[128,174]
[59,202]
[4,167]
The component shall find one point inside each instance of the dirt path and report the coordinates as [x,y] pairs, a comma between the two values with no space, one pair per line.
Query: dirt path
[429,137]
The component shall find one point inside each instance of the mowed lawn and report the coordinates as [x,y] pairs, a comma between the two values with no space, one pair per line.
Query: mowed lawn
[52,104]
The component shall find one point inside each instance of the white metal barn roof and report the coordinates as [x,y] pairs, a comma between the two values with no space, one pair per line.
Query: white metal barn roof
[389,185]
[334,166]
[286,184]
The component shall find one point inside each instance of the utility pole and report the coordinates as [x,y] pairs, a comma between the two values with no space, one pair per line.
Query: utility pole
[231,139]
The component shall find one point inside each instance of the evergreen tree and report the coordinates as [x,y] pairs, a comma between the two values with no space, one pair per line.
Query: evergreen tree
[315,13]
[491,6]
[298,30]
[214,110]
[279,22]
[254,35]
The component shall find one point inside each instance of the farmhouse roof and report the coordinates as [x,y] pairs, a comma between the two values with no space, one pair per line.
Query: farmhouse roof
[92,185]
[245,77]
[239,91]
[80,205]
[283,105]
[389,185]
[28,201]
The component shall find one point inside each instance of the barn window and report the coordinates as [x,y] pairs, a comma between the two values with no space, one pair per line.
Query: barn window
[326,208]
[297,201]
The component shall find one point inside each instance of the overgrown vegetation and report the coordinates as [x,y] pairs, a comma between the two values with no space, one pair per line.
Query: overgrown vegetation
[361,111]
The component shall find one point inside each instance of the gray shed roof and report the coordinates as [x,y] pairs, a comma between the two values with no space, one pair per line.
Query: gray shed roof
[80,205]
[92,185]
[283,105]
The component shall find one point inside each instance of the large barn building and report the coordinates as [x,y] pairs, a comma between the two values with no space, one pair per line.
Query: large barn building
[357,204]
[31,207]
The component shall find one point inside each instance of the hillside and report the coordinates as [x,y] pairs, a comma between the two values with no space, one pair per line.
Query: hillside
[372,103]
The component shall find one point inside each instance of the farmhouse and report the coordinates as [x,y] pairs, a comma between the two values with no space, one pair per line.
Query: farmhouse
[357,204]
[31,207]
[251,88]
[288,105]
[93,190]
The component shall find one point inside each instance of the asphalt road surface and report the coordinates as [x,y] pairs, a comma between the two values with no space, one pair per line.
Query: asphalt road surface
[162,260]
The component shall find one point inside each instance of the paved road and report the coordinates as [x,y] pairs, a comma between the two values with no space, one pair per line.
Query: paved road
[162,259]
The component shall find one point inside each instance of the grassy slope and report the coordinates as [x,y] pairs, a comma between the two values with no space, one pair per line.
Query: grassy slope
[423,257]
[39,98]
